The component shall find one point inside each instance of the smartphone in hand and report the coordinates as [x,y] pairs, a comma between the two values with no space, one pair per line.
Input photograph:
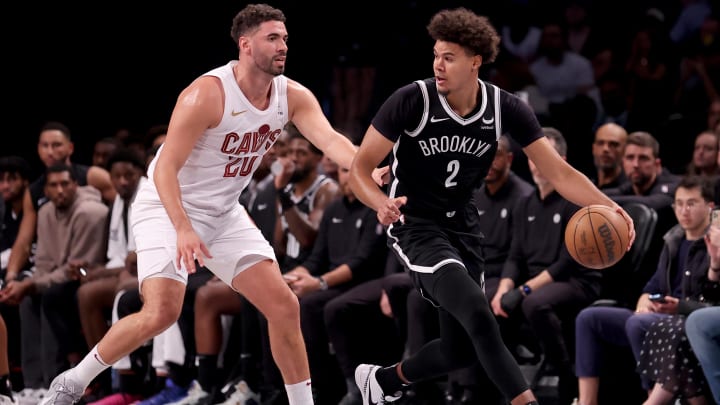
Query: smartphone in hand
[657,298]
[715,217]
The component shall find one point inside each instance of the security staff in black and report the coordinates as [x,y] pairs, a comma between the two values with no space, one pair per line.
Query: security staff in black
[442,133]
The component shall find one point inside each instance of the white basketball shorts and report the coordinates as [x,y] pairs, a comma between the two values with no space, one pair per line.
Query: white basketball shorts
[233,239]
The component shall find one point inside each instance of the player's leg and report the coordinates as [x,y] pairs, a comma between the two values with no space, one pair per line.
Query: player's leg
[453,288]
[162,300]
[246,261]
[265,288]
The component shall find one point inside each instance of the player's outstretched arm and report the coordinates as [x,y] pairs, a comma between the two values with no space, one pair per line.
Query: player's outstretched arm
[374,148]
[306,114]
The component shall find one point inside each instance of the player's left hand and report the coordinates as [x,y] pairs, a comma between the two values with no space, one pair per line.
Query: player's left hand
[630,224]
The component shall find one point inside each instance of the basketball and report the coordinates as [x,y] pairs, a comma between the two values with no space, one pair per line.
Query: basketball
[596,236]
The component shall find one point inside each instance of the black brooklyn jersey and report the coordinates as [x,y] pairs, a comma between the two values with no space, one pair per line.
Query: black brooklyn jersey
[440,157]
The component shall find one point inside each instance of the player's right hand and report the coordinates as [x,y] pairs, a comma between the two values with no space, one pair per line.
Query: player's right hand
[389,212]
[189,249]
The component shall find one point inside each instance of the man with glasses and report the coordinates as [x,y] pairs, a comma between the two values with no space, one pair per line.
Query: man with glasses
[678,278]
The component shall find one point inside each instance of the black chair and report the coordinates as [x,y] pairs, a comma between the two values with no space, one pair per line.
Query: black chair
[622,283]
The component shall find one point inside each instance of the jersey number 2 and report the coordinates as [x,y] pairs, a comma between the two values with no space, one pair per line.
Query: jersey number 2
[453,168]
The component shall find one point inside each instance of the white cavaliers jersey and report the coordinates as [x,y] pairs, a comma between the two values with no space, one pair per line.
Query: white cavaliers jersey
[224,158]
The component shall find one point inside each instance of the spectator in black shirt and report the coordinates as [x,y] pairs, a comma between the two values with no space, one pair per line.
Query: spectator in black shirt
[14,180]
[553,288]
[349,249]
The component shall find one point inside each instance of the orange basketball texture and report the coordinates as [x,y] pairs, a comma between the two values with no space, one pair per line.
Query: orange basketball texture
[596,236]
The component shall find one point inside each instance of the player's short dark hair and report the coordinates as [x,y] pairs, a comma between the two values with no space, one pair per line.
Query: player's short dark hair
[15,165]
[645,140]
[60,168]
[557,136]
[250,18]
[126,155]
[704,183]
[57,126]
[467,29]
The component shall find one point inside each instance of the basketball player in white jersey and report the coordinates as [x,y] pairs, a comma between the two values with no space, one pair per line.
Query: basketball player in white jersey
[188,209]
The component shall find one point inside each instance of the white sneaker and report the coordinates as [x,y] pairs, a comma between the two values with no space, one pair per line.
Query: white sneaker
[195,392]
[5,400]
[63,391]
[242,395]
[369,388]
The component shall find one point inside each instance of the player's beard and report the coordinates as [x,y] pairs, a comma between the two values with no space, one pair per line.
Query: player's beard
[269,67]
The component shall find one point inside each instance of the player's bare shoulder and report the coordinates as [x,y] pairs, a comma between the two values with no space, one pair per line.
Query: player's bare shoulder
[205,95]
[299,96]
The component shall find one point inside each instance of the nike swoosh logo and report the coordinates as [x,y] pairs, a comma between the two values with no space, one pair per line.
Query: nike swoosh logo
[433,119]
[261,207]
[336,220]
[531,219]
[236,113]
[488,122]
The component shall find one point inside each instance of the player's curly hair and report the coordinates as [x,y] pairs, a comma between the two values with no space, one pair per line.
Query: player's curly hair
[250,18]
[467,29]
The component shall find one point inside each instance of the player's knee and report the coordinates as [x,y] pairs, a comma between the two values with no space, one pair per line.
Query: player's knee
[285,309]
[159,315]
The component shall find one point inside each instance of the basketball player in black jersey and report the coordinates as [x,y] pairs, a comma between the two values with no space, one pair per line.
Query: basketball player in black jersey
[443,133]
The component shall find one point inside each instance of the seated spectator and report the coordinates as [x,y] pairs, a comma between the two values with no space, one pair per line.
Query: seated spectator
[349,249]
[102,150]
[667,357]
[73,225]
[680,270]
[703,332]
[649,183]
[98,289]
[55,146]
[607,152]
[14,181]
[303,194]
[705,155]
[6,395]
[541,284]
[347,318]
